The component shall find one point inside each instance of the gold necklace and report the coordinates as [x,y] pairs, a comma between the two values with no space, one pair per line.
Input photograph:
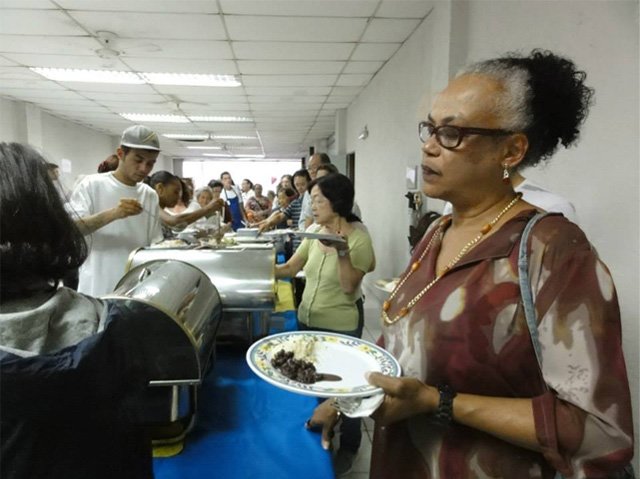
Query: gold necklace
[439,233]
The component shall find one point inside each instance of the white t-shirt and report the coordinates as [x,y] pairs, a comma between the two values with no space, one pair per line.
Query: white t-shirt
[540,197]
[110,246]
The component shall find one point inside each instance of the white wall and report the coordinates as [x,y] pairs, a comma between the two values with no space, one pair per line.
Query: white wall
[600,175]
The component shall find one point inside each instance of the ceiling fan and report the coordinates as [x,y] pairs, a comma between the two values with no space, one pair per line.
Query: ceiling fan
[113,46]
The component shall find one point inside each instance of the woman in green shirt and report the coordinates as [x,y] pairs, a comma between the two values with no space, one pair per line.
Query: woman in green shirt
[334,272]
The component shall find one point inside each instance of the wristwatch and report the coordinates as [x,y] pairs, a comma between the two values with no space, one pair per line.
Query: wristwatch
[343,252]
[444,414]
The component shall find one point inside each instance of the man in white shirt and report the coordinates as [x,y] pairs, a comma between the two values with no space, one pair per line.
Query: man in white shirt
[306,215]
[109,207]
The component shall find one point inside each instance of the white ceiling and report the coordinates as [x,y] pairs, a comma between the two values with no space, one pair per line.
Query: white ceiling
[298,61]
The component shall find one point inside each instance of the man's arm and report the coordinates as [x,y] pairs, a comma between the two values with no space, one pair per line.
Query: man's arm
[188,218]
[126,207]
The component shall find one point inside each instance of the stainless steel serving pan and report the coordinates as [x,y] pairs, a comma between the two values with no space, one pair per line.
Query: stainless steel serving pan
[244,276]
[175,310]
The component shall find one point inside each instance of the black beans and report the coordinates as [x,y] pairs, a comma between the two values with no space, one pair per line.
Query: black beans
[296,369]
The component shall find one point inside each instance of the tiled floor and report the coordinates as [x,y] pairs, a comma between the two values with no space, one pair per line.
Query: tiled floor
[361,465]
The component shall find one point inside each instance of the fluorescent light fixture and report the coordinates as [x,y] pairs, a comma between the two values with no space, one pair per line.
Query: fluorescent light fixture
[153,118]
[139,78]
[218,155]
[233,137]
[220,118]
[250,156]
[204,147]
[190,79]
[90,76]
[186,136]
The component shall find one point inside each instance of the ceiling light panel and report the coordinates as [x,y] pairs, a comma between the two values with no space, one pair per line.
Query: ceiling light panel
[292,29]
[153,118]
[250,50]
[220,119]
[90,76]
[187,136]
[154,25]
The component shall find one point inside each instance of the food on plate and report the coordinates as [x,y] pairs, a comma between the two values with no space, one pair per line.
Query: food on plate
[170,243]
[295,360]
[296,369]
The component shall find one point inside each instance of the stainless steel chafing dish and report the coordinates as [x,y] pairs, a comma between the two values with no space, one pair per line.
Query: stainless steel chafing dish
[175,310]
[244,276]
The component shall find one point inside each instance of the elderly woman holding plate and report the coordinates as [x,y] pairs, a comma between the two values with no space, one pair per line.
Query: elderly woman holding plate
[475,400]
[334,272]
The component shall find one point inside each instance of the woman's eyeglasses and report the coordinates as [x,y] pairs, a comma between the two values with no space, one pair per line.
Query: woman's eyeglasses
[450,136]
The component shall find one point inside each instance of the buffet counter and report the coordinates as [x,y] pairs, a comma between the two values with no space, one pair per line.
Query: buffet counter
[247,428]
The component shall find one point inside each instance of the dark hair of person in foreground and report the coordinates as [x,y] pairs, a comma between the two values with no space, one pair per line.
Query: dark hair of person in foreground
[39,242]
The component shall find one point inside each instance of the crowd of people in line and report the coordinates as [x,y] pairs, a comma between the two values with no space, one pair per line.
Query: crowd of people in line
[500,378]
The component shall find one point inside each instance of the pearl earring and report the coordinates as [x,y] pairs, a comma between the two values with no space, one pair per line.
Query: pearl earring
[505,175]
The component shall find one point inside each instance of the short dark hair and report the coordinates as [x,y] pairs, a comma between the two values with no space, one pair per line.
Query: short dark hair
[289,192]
[250,182]
[324,158]
[303,173]
[39,242]
[328,167]
[215,184]
[110,163]
[338,189]
[163,177]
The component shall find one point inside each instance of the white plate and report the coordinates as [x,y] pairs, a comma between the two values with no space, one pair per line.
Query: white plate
[346,356]
[387,285]
[320,236]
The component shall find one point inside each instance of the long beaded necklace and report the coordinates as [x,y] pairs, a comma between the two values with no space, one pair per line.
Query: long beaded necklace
[439,233]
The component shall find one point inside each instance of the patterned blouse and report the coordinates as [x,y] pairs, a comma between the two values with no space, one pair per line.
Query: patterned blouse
[258,208]
[469,331]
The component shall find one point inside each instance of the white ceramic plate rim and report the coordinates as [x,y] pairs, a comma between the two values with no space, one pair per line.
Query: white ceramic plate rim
[279,380]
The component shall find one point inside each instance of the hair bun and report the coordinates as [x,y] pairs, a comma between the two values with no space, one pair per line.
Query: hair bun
[560,100]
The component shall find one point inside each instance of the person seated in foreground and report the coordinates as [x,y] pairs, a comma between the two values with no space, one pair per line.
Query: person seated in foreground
[69,384]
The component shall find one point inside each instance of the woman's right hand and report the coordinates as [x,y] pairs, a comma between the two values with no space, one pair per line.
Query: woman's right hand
[404,397]
[325,416]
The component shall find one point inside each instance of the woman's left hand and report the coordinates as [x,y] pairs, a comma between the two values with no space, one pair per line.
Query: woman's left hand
[404,397]
[325,416]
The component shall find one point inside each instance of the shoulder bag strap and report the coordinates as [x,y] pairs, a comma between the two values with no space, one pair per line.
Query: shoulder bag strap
[525,286]
[527,296]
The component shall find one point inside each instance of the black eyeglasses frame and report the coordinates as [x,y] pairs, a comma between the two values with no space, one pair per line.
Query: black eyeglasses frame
[462,132]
